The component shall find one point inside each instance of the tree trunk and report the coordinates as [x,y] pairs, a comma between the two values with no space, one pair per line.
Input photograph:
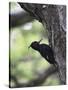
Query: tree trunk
[53,17]
[55,20]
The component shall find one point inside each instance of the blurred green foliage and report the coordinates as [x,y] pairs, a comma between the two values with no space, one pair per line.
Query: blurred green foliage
[25,63]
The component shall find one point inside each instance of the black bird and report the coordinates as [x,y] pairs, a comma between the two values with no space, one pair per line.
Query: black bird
[45,51]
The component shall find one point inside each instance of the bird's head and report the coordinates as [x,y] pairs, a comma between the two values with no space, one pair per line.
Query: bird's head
[35,44]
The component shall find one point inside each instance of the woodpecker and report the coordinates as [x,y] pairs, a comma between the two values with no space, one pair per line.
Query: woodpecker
[45,51]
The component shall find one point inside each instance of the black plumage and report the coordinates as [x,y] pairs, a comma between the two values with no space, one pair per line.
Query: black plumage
[45,51]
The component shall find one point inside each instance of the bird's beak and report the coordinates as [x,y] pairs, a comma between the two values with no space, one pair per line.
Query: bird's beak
[40,40]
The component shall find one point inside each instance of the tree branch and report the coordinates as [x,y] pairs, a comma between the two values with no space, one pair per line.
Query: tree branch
[19,18]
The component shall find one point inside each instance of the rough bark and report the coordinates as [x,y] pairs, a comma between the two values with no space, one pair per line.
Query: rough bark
[53,17]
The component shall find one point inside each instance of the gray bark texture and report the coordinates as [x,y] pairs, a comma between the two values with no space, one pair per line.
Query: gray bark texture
[53,18]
